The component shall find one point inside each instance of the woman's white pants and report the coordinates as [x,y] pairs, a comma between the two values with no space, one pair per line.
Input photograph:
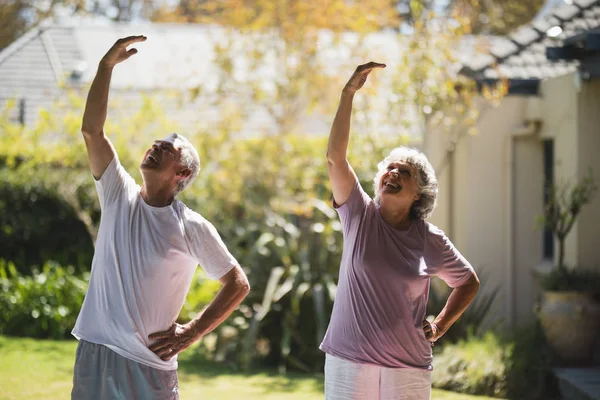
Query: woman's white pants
[345,380]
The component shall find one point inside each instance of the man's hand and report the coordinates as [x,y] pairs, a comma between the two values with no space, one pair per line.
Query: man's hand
[359,77]
[119,53]
[172,341]
[432,333]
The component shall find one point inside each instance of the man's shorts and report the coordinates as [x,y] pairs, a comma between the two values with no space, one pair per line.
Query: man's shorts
[102,374]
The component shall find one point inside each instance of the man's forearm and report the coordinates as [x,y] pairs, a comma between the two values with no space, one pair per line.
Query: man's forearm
[457,303]
[97,102]
[225,302]
[340,129]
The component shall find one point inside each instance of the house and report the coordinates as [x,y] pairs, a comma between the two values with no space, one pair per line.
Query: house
[546,130]
[176,61]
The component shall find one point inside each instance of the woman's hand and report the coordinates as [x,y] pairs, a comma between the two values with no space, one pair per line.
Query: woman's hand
[432,333]
[359,77]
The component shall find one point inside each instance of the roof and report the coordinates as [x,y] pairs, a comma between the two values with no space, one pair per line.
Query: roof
[521,57]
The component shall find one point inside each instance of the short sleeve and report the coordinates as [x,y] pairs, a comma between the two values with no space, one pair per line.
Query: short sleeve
[209,250]
[354,208]
[444,260]
[114,182]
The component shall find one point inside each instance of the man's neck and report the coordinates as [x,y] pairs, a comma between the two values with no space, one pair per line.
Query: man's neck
[157,197]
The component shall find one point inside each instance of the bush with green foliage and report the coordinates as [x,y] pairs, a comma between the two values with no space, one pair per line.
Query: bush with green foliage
[515,366]
[475,365]
[529,366]
[42,305]
[37,224]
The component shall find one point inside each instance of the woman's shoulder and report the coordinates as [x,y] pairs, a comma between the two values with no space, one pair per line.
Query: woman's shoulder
[433,234]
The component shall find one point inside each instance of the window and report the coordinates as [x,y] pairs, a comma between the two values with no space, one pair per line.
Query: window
[548,237]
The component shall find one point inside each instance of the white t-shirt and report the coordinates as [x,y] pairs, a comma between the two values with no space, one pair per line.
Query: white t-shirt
[143,265]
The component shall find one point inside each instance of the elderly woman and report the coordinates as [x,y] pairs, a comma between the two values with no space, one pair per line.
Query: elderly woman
[378,344]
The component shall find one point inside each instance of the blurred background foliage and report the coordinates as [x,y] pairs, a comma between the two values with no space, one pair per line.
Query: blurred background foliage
[496,17]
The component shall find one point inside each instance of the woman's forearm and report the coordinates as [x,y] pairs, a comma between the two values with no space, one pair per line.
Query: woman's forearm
[340,129]
[457,303]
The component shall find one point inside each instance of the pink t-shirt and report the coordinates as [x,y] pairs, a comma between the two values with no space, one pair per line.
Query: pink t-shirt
[383,286]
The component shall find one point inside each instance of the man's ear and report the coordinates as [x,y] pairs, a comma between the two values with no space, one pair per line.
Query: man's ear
[184,173]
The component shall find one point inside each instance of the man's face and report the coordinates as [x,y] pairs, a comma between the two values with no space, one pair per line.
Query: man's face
[162,160]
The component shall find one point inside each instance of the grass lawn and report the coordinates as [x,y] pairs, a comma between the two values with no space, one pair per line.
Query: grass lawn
[42,369]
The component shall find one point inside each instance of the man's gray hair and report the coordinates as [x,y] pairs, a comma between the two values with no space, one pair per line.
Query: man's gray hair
[426,180]
[189,159]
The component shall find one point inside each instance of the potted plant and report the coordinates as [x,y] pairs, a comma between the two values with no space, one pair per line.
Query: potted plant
[570,311]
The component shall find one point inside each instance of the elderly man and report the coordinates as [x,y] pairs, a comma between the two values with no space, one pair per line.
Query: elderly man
[148,247]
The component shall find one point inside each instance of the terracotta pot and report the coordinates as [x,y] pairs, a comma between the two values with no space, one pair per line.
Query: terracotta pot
[571,324]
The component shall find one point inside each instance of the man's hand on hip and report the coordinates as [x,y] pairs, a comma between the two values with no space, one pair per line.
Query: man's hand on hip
[172,341]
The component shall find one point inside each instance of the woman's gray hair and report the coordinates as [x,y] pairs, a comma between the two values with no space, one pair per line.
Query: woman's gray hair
[189,159]
[426,180]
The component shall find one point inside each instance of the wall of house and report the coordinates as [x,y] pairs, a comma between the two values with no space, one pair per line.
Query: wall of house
[588,225]
[527,204]
[572,119]
[559,113]
[489,196]
[491,192]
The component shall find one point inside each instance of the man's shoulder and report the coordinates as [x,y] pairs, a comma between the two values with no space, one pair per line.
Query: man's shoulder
[190,218]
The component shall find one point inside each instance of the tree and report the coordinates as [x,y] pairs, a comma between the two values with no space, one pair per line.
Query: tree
[497,17]
[19,16]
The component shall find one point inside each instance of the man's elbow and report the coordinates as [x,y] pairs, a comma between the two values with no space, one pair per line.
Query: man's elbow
[242,285]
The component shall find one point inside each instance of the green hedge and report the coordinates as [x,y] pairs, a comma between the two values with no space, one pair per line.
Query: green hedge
[37,224]
[515,366]
[473,366]
[42,305]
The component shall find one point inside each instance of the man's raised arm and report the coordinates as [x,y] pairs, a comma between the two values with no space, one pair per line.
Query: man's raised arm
[99,148]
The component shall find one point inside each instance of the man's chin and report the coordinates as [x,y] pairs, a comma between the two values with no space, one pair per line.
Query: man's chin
[147,166]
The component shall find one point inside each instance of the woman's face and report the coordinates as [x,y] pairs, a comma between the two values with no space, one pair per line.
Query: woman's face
[398,184]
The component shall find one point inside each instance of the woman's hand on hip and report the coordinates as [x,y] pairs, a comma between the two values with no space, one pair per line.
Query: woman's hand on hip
[432,333]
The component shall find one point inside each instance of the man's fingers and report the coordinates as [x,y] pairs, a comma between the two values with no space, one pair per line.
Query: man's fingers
[126,41]
[168,355]
[370,66]
[131,52]
[160,335]
[159,345]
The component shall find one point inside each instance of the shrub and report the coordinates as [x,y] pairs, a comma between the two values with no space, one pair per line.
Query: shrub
[43,305]
[37,224]
[529,366]
[474,366]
